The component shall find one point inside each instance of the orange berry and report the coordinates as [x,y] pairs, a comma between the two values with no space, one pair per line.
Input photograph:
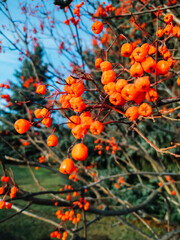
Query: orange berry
[152,50]
[110,88]
[107,148]
[148,64]
[70,80]
[173,193]
[41,89]
[142,84]
[107,77]
[85,114]
[139,54]
[171,62]
[97,27]
[6,179]
[171,2]
[120,84]
[52,141]
[126,49]
[116,99]
[132,113]
[162,67]
[162,49]
[62,98]
[77,88]
[52,235]
[175,31]
[178,34]
[3,179]
[79,131]
[168,29]
[160,184]
[136,70]
[178,81]
[117,185]
[68,197]
[2,190]
[65,234]
[79,152]
[98,61]
[68,89]
[140,97]
[14,190]
[146,46]
[45,112]
[129,92]
[77,104]
[167,55]
[37,113]
[168,178]
[74,220]
[67,166]
[151,95]
[9,205]
[96,128]
[74,121]
[22,126]
[160,33]
[86,206]
[2,204]
[168,18]
[105,66]
[86,122]
[47,122]
[145,110]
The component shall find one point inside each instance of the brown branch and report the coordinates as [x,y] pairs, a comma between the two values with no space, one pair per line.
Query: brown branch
[17,213]
[154,146]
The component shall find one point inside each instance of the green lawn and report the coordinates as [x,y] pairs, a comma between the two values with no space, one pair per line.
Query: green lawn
[22,227]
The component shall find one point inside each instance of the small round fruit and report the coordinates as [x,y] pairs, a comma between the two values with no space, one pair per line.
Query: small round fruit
[178,81]
[52,141]
[132,113]
[67,166]
[37,113]
[96,128]
[41,89]
[22,126]
[162,67]
[126,49]
[79,152]
[97,27]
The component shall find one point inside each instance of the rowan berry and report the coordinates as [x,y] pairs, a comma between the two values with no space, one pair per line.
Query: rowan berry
[105,66]
[96,128]
[79,152]
[97,27]
[22,126]
[52,141]
[41,89]
[132,113]
[126,49]
[145,110]
[67,166]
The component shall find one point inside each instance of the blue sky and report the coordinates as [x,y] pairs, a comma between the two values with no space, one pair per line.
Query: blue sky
[9,59]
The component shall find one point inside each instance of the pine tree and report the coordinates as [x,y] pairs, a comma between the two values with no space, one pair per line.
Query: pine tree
[23,102]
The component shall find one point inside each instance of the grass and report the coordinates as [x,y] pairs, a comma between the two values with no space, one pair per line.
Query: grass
[22,227]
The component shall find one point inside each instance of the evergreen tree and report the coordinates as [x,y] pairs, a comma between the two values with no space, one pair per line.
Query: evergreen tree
[23,102]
